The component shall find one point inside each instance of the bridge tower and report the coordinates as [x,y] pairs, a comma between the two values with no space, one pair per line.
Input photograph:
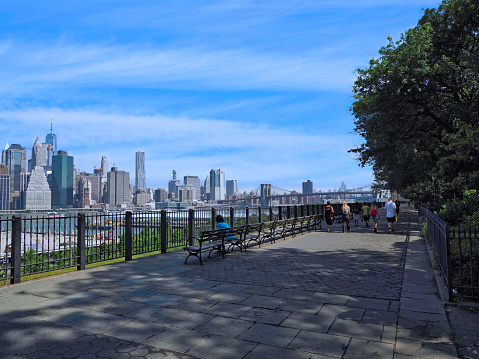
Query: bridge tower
[265,191]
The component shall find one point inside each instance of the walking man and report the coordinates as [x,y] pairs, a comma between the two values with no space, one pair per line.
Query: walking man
[391,214]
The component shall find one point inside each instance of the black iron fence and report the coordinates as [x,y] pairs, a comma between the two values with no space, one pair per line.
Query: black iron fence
[457,254]
[32,244]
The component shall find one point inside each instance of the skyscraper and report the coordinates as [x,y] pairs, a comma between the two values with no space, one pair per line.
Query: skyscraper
[217,184]
[104,168]
[38,194]
[161,195]
[51,138]
[62,180]
[41,155]
[308,187]
[16,160]
[207,189]
[4,187]
[140,173]
[118,187]
[194,181]
[94,180]
[231,187]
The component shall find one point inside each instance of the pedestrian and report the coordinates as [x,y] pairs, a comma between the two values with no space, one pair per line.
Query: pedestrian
[390,208]
[346,212]
[366,213]
[329,215]
[221,224]
[356,214]
[375,215]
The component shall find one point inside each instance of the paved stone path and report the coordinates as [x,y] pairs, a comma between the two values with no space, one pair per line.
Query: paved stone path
[318,295]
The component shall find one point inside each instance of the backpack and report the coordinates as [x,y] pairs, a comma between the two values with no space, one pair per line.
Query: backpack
[374,212]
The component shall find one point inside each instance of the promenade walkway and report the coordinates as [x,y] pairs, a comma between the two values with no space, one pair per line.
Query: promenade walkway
[318,295]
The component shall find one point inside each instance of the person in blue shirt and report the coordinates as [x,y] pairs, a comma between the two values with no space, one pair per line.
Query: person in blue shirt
[220,224]
[391,214]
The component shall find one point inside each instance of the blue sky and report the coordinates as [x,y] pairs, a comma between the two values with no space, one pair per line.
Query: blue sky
[261,89]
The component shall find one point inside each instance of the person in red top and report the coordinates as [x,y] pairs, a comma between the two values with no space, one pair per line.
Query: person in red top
[374,215]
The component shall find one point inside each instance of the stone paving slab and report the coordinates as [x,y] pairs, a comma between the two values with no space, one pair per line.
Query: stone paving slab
[318,295]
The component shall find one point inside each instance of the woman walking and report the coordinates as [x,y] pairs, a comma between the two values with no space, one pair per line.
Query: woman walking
[374,215]
[356,214]
[346,211]
[329,215]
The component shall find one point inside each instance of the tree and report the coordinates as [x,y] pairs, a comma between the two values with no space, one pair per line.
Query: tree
[415,105]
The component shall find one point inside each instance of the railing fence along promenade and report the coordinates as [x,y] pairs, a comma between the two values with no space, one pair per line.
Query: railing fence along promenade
[32,245]
[457,254]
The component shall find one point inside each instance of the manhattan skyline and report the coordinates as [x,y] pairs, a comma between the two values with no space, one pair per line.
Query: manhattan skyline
[261,90]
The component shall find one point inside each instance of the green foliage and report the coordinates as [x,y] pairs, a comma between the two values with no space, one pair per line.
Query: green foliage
[417,107]
[463,211]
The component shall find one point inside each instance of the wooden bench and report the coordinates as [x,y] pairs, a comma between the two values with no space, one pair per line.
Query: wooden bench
[268,231]
[252,233]
[234,237]
[286,227]
[209,240]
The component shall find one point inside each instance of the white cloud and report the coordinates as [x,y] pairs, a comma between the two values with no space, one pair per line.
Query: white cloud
[49,66]
[250,154]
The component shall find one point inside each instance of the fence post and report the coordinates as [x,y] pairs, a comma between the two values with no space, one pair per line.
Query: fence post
[288,212]
[302,210]
[81,247]
[16,259]
[280,213]
[449,264]
[270,213]
[213,218]
[128,236]
[247,215]
[232,217]
[260,215]
[191,226]
[163,231]
[295,211]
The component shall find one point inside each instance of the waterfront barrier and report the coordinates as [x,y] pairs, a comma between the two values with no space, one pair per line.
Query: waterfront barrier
[32,245]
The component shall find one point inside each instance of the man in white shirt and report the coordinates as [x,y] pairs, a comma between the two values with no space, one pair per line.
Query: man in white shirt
[391,214]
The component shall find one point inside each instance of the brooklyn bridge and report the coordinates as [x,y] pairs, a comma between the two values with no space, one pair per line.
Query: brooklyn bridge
[268,194]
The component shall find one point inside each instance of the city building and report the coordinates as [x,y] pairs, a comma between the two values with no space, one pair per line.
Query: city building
[172,184]
[308,187]
[16,161]
[161,195]
[4,151]
[185,193]
[52,139]
[62,180]
[118,188]
[140,173]
[4,187]
[95,185]
[38,193]
[217,185]
[231,187]
[104,168]
[196,182]
[142,197]
[206,189]
[41,153]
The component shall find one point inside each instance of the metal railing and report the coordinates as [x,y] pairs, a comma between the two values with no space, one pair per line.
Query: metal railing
[457,254]
[32,245]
